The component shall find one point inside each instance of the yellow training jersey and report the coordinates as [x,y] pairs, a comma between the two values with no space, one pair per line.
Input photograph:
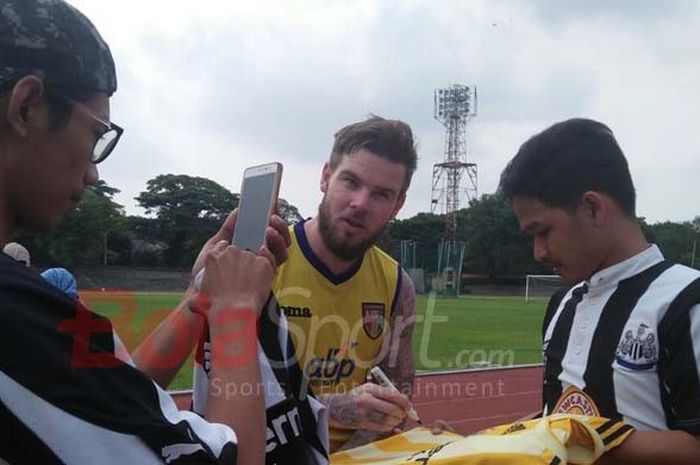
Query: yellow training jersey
[337,322]
[556,439]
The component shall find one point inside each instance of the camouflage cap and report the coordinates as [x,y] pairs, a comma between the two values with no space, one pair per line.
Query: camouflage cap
[55,40]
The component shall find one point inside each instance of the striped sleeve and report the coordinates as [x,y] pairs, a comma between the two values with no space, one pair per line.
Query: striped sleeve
[552,308]
[297,424]
[679,360]
[555,347]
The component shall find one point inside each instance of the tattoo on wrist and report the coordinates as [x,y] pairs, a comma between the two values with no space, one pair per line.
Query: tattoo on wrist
[342,409]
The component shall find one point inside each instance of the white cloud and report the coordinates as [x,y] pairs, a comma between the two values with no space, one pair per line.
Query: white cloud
[207,88]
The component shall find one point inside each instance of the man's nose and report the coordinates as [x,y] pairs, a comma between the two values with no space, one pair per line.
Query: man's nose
[360,200]
[539,250]
[91,175]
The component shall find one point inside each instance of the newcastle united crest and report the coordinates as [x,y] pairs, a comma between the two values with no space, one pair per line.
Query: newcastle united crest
[638,351]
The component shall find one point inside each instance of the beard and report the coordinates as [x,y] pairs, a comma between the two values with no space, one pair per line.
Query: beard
[339,247]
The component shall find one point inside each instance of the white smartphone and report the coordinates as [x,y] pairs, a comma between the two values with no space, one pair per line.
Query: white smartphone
[259,192]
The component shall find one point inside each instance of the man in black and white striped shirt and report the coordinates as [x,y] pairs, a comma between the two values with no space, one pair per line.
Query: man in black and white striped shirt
[624,341]
[69,393]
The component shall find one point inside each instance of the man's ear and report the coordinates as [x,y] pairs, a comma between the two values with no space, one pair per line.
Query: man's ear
[399,203]
[594,206]
[325,176]
[23,102]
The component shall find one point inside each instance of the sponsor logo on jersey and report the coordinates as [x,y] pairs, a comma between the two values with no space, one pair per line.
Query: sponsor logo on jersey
[329,369]
[283,429]
[373,319]
[576,402]
[296,312]
[637,349]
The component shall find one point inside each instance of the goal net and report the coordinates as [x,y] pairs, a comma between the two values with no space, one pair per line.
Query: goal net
[542,285]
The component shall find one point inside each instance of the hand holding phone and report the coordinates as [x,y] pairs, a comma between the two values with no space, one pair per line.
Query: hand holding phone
[259,192]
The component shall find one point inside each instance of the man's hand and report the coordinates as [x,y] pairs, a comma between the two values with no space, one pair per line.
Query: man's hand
[440,426]
[368,407]
[236,279]
[277,240]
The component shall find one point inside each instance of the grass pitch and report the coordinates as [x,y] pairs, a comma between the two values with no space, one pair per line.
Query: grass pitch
[450,333]
[472,332]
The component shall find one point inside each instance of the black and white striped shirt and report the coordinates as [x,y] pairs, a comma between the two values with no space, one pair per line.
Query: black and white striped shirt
[626,344]
[297,423]
[69,393]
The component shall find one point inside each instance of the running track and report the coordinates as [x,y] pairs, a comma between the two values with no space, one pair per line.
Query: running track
[468,400]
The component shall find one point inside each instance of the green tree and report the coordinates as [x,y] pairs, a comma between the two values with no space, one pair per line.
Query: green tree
[674,239]
[288,212]
[495,244]
[146,249]
[103,190]
[187,211]
[426,229]
[81,237]
[694,259]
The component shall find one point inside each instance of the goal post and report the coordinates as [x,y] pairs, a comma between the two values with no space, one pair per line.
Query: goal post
[542,285]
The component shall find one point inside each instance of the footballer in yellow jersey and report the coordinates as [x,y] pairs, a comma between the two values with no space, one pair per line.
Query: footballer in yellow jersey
[348,304]
[338,323]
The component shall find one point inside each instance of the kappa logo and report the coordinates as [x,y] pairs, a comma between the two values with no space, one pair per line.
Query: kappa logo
[638,352]
[576,402]
[373,319]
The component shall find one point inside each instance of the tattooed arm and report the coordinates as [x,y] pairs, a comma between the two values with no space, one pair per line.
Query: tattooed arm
[398,360]
[368,406]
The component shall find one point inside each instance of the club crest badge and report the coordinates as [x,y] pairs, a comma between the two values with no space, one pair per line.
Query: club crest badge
[576,402]
[373,319]
[638,351]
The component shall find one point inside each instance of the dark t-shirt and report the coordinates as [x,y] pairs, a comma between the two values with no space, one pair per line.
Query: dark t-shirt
[66,396]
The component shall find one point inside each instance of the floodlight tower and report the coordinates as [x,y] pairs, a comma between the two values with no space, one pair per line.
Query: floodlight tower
[454,107]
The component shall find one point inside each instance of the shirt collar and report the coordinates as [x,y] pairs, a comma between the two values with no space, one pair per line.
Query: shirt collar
[625,269]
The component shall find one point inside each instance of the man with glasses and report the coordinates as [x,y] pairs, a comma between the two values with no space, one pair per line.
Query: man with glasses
[105,142]
[68,390]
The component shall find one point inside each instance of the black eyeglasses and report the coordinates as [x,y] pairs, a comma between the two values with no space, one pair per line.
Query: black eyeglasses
[107,141]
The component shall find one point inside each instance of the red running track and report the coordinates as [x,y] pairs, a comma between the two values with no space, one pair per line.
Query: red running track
[474,400]
[468,400]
